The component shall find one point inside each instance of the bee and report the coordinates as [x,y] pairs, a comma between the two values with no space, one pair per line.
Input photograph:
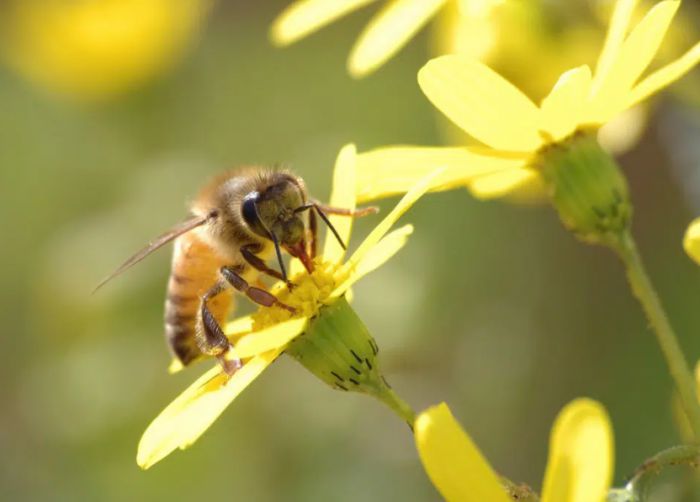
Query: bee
[238,221]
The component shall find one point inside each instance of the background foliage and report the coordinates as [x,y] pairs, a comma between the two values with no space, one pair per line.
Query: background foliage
[492,307]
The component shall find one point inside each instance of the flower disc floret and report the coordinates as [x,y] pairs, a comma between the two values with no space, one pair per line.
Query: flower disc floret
[308,293]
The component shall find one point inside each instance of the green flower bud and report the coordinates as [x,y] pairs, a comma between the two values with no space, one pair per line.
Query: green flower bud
[621,495]
[587,188]
[338,349]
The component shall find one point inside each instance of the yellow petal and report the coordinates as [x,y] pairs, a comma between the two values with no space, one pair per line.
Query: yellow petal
[580,464]
[306,16]
[691,242]
[395,170]
[619,24]
[453,462]
[343,196]
[665,76]
[239,326]
[504,183]
[185,419]
[623,131]
[276,337]
[634,56]
[175,366]
[376,257]
[388,31]
[562,109]
[481,102]
[380,230]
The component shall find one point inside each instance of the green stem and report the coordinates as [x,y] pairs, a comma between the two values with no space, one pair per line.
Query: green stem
[387,396]
[646,294]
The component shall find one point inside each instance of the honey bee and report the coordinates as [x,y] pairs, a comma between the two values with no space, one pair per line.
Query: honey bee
[237,222]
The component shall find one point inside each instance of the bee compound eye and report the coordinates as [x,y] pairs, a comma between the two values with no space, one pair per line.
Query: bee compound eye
[250,211]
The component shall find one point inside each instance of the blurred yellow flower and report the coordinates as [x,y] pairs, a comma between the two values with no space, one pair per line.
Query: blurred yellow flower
[259,339]
[513,129]
[95,49]
[396,23]
[691,242]
[579,468]
[503,34]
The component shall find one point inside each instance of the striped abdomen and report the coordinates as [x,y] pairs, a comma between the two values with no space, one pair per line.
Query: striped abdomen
[195,269]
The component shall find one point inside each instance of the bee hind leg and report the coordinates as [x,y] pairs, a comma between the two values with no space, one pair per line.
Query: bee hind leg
[210,338]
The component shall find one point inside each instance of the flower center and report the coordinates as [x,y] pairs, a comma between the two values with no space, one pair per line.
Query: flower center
[307,296]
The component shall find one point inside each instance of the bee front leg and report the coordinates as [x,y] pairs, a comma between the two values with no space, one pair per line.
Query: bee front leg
[248,253]
[340,211]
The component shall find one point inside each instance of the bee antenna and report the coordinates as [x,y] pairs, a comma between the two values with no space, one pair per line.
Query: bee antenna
[278,251]
[325,219]
[274,240]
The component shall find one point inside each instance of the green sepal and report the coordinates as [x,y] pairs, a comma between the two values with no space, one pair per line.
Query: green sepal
[587,188]
[338,349]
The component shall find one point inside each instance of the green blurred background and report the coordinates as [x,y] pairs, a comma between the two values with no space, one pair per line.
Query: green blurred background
[492,307]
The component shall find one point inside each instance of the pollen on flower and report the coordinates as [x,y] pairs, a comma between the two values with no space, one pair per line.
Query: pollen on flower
[308,294]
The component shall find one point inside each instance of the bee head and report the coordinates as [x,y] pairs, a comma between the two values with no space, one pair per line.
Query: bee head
[274,214]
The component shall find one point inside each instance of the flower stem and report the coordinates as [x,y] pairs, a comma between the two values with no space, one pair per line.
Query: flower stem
[646,294]
[387,396]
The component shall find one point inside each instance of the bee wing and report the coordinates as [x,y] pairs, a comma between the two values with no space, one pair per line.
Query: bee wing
[155,244]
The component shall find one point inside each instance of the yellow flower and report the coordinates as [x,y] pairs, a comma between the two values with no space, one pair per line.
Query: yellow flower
[691,241]
[95,49]
[579,468]
[396,23]
[504,35]
[515,131]
[317,297]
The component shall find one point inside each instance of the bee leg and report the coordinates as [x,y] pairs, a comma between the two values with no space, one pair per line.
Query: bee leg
[323,211]
[248,253]
[340,211]
[258,295]
[211,339]
[313,228]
